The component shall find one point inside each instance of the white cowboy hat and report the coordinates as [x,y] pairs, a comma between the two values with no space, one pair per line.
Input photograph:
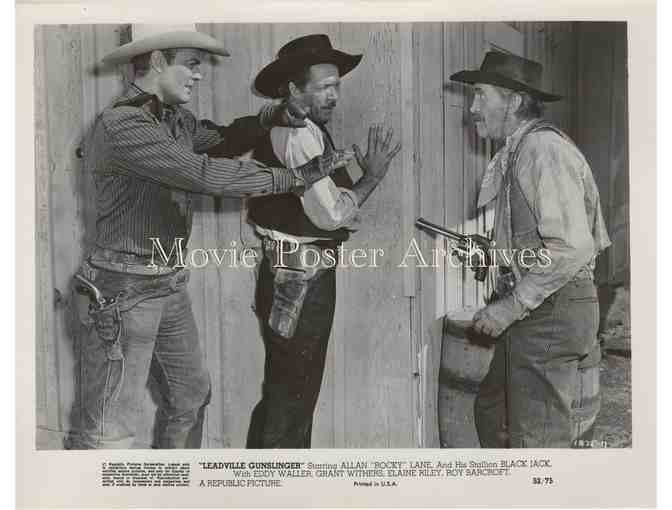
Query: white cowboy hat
[148,38]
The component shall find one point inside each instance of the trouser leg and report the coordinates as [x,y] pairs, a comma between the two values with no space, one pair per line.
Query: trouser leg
[587,403]
[294,366]
[547,349]
[111,391]
[179,369]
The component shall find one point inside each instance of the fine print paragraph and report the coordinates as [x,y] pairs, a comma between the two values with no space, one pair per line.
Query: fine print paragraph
[356,473]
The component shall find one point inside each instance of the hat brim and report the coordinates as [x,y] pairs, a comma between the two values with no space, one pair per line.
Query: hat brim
[168,40]
[270,79]
[471,77]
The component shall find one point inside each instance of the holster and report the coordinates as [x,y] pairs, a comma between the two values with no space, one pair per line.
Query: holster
[120,293]
[290,286]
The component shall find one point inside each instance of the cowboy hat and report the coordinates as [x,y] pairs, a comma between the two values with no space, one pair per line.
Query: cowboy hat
[147,38]
[510,72]
[298,54]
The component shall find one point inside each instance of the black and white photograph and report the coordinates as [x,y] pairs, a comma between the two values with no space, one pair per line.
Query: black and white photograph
[230,257]
[286,243]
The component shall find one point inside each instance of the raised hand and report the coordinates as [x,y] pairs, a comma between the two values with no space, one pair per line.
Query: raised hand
[376,162]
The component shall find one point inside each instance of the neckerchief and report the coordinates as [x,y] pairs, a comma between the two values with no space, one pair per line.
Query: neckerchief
[498,166]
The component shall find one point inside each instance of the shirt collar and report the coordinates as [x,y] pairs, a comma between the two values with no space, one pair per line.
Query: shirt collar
[513,137]
[136,96]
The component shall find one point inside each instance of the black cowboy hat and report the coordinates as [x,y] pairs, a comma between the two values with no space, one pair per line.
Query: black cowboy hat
[510,72]
[296,55]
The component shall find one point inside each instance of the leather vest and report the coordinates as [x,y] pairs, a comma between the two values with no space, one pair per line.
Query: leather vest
[284,212]
[524,231]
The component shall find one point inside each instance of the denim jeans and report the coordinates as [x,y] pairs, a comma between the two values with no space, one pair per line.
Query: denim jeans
[294,366]
[158,339]
[542,388]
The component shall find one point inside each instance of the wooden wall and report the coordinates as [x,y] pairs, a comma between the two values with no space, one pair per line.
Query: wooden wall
[381,384]
[368,392]
[602,133]
[68,95]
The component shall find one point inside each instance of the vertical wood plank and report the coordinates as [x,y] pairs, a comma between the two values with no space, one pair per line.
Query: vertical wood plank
[433,198]
[476,157]
[619,187]
[63,57]
[47,412]
[407,154]
[408,192]
[376,323]
[90,108]
[456,125]
[596,94]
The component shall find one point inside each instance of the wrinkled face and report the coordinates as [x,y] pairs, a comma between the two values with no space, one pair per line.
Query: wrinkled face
[177,79]
[491,110]
[320,94]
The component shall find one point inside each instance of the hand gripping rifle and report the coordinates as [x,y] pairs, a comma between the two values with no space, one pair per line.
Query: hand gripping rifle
[467,245]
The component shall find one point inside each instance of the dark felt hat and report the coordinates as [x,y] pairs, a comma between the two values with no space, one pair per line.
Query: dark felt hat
[510,72]
[296,55]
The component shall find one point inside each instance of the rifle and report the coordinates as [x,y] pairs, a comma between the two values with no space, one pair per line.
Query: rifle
[465,243]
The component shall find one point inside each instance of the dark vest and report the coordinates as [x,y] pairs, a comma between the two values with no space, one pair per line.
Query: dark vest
[284,212]
[523,221]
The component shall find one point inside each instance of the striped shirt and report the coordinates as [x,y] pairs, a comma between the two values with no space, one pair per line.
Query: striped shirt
[147,160]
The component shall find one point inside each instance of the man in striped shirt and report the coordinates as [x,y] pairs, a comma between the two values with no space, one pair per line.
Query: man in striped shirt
[147,157]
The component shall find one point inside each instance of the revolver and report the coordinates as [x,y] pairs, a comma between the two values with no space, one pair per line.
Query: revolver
[464,241]
[86,287]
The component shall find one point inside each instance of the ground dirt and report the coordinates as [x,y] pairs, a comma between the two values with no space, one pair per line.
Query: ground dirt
[614,423]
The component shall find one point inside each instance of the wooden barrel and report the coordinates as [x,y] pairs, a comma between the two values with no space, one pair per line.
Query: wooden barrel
[463,366]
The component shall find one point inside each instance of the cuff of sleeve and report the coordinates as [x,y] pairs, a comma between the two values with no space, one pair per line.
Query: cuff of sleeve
[283,180]
[341,215]
[519,308]
[528,302]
